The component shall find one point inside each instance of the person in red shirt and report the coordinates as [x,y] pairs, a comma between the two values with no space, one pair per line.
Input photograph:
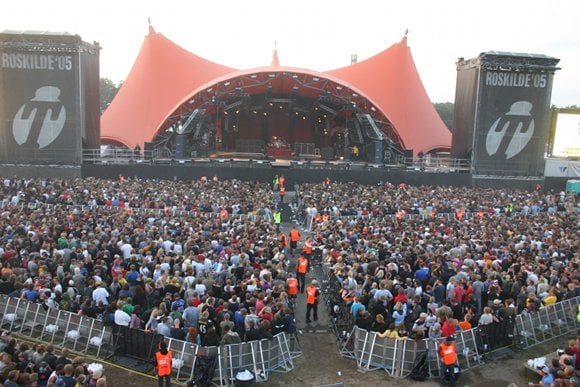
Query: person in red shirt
[401,297]
[449,327]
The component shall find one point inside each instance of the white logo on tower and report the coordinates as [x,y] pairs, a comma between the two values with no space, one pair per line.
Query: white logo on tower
[39,121]
[513,130]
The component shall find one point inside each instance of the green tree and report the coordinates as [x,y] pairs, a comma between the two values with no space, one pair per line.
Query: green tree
[108,91]
[445,110]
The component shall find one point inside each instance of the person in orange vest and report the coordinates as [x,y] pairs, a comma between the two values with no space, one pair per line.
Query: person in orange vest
[292,286]
[307,249]
[282,193]
[281,180]
[448,356]
[163,359]
[312,294]
[301,270]
[294,238]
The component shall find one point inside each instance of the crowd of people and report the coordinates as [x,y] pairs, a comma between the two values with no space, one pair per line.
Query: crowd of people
[39,365]
[426,262]
[203,260]
[198,261]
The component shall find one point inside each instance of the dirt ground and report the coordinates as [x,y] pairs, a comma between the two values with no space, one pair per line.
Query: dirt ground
[321,364]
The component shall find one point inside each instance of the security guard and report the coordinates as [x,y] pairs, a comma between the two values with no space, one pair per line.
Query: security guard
[301,270]
[292,286]
[448,356]
[294,238]
[312,293]
[277,219]
[163,359]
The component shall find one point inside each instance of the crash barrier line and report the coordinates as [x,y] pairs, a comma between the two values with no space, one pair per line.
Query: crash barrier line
[310,221]
[138,210]
[90,336]
[397,356]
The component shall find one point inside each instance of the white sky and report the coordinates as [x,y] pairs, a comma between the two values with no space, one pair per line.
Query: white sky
[320,35]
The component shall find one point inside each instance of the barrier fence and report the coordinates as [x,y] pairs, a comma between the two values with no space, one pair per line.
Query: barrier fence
[398,356]
[190,361]
[133,210]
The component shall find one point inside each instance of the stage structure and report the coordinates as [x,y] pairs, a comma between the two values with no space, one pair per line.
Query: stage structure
[502,113]
[49,110]
[372,111]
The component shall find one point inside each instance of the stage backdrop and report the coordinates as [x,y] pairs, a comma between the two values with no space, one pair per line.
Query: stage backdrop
[503,125]
[49,105]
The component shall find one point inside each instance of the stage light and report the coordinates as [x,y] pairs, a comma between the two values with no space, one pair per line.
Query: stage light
[227,83]
[338,87]
[272,75]
[253,76]
[354,94]
[315,79]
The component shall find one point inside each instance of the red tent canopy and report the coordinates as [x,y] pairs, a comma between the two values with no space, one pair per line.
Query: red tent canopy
[391,80]
[165,76]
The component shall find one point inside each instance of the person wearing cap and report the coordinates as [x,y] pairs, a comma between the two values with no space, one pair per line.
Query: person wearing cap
[448,356]
[312,293]
[163,359]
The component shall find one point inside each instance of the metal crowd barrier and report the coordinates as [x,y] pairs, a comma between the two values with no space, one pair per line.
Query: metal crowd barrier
[57,327]
[137,210]
[397,356]
[547,323]
[90,336]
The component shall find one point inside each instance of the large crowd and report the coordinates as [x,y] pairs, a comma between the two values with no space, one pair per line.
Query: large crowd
[202,260]
[427,262]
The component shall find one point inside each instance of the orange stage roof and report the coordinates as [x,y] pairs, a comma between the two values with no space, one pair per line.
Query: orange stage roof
[165,75]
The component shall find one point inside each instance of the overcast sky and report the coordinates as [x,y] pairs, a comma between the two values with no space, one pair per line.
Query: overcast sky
[320,35]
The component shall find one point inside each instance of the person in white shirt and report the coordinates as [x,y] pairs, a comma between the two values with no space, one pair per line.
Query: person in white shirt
[100,294]
[122,318]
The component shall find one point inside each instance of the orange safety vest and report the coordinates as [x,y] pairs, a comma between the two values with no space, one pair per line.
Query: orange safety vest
[308,247]
[224,214]
[282,190]
[311,294]
[294,235]
[459,214]
[448,353]
[163,363]
[292,286]
[302,265]
[325,218]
